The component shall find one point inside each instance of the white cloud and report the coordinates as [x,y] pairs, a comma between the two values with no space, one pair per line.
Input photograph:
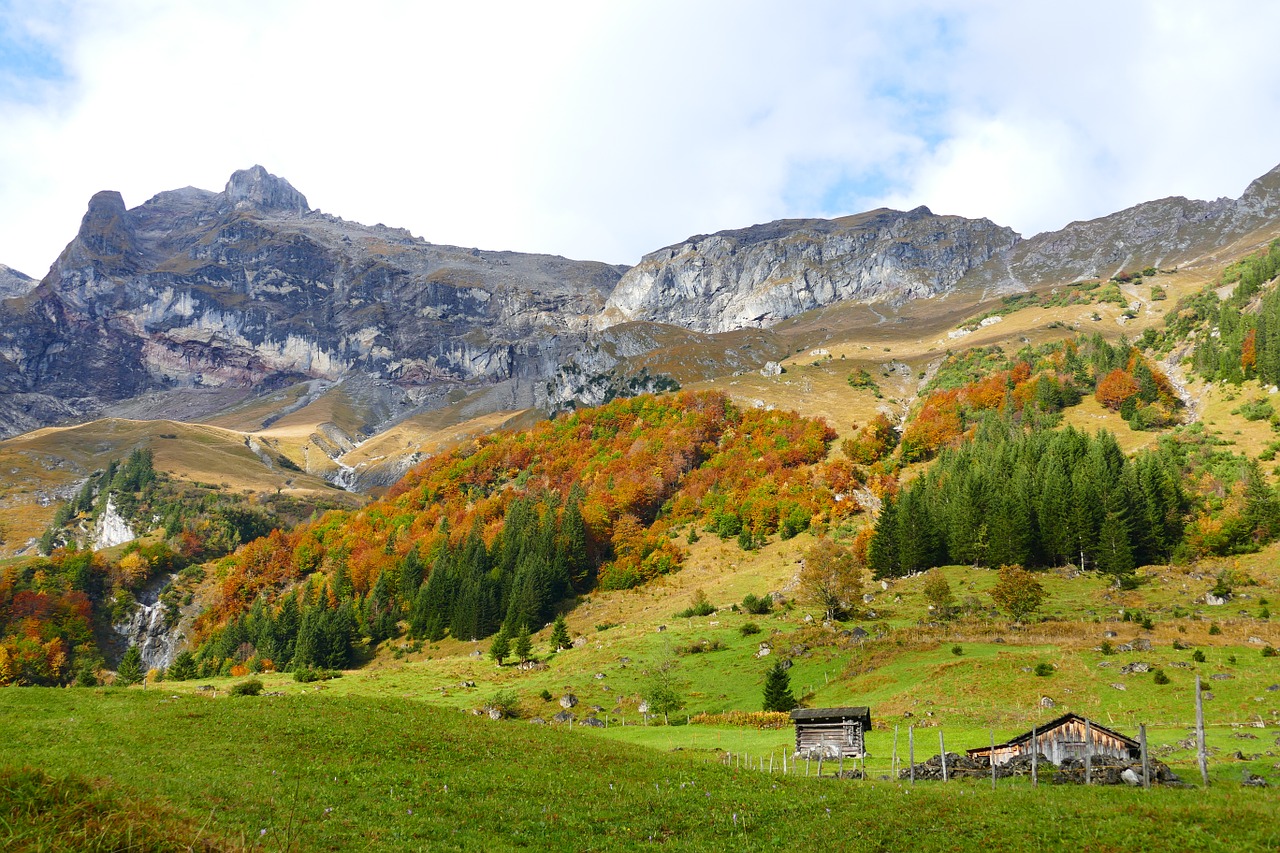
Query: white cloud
[606,130]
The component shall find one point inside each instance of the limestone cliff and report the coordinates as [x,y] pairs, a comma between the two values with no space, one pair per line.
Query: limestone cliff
[251,287]
[757,276]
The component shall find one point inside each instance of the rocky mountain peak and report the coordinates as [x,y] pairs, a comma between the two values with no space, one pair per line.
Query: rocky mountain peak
[258,189]
[108,236]
[1263,194]
[14,283]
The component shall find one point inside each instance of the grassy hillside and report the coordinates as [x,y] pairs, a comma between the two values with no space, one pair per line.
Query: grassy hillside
[305,773]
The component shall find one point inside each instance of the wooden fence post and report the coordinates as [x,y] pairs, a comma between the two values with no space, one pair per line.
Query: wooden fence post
[1200,748]
[1088,752]
[1035,756]
[992,759]
[1142,743]
[911,751]
[942,745]
[893,762]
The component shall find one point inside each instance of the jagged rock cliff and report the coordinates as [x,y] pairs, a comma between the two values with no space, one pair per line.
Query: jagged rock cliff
[757,276]
[250,287]
[14,283]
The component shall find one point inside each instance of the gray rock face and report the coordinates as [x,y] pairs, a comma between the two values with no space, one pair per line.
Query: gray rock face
[14,283]
[757,276]
[250,287]
[760,275]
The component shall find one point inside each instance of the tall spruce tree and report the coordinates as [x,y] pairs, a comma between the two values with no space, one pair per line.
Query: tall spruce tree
[130,669]
[777,689]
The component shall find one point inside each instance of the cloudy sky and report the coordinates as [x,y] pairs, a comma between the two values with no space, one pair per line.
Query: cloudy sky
[607,129]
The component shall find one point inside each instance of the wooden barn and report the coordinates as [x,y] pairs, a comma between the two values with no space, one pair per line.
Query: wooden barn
[831,733]
[1065,737]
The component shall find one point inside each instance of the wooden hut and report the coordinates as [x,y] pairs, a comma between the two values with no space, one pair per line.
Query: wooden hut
[1065,737]
[831,733]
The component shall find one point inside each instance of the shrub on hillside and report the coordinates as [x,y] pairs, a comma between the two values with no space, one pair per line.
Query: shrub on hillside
[757,606]
[252,687]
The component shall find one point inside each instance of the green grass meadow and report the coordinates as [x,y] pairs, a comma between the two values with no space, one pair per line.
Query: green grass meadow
[320,772]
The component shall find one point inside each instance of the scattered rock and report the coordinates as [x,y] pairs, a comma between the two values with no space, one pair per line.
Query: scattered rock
[859,633]
[643,707]
[1207,695]
[1273,688]
[1104,663]
[661,628]
[771,368]
[568,700]
[1245,735]
[1046,702]
[593,722]
[1257,641]
[563,717]
[538,721]
[1142,644]
[495,713]
[467,684]
[998,640]
[477,654]
[579,642]
[808,619]
[764,651]
[1131,778]
[624,660]
[1109,634]
[599,675]
[1118,686]
[1220,676]
[1252,780]
[1135,667]
[787,664]
[867,598]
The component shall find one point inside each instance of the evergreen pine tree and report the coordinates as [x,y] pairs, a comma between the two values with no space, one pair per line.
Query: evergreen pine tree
[130,669]
[500,646]
[183,667]
[523,647]
[411,570]
[560,634]
[777,689]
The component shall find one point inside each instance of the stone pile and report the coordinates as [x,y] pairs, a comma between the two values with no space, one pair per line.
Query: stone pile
[1105,770]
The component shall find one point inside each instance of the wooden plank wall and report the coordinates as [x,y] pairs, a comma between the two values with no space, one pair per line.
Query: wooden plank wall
[1065,741]
[836,738]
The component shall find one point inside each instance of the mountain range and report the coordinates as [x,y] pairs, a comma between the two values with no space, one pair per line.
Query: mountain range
[198,305]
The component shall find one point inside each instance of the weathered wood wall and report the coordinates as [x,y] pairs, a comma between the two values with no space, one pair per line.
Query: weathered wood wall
[834,739]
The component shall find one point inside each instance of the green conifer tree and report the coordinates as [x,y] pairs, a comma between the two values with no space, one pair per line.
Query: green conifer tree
[523,647]
[777,689]
[500,647]
[130,669]
[560,634]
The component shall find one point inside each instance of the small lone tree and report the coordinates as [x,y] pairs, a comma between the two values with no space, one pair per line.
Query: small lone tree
[938,593]
[130,669]
[1017,592]
[777,689]
[560,634]
[524,644]
[500,648]
[661,692]
[830,577]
